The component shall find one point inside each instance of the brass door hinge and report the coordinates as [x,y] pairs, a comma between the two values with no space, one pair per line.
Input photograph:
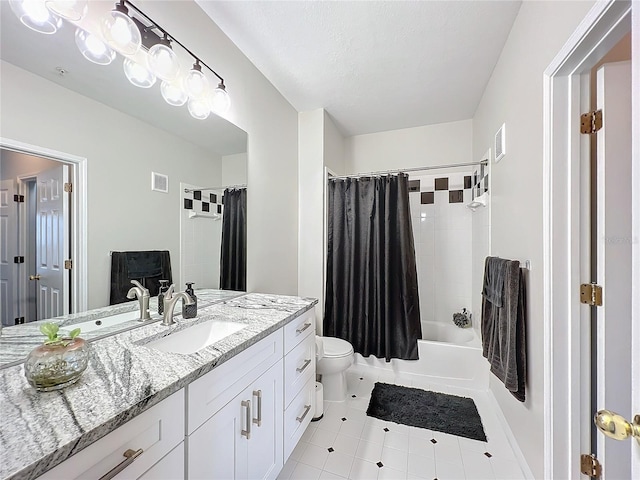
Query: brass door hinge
[68,187]
[68,264]
[591,122]
[591,294]
[590,466]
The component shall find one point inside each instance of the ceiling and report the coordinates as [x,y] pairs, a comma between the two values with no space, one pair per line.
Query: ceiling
[372,65]
[43,54]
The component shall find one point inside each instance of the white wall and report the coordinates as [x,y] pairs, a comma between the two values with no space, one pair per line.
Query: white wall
[440,144]
[124,214]
[234,169]
[514,95]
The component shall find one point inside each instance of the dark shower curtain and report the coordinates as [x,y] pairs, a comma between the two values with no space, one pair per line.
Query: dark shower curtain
[233,251]
[371,297]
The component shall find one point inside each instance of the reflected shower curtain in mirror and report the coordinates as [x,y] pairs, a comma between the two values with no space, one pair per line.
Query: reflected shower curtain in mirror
[371,297]
[233,251]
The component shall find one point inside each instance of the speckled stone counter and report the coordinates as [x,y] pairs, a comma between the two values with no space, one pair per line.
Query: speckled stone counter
[17,341]
[123,379]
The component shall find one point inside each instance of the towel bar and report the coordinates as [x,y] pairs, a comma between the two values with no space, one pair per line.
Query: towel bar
[526,265]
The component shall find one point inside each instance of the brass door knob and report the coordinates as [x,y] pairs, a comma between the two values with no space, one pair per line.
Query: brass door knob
[34,277]
[616,426]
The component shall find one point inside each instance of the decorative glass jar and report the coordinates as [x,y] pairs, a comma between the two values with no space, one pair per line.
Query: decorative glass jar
[56,365]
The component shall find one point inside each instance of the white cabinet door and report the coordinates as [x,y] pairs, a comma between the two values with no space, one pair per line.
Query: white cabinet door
[171,467]
[265,443]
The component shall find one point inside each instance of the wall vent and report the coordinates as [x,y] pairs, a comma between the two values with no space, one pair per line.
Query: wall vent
[159,182]
[500,146]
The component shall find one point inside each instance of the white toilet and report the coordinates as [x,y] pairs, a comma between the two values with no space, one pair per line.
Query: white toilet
[333,357]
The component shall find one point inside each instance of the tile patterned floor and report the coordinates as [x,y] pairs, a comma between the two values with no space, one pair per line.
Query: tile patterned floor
[347,443]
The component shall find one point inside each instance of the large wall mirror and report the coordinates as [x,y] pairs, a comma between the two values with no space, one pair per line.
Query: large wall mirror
[147,176]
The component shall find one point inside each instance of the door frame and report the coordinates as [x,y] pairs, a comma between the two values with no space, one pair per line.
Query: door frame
[563,221]
[78,214]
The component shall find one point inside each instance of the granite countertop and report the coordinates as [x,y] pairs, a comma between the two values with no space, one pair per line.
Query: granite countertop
[124,378]
[17,341]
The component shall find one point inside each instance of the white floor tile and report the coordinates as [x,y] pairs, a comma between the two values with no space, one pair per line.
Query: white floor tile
[506,470]
[314,456]
[346,445]
[360,403]
[352,428]
[447,452]
[396,459]
[332,424]
[396,440]
[466,444]
[330,476]
[336,409]
[369,451]
[287,470]
[421,446]
[338,464]
[356,414]
[477,465]
[298,450]
[373,433]
[323,438]
[398,428]
[422,467]
[418,432]
[387,473]
[363,470]
[305,472]
[450,471]
[308,433]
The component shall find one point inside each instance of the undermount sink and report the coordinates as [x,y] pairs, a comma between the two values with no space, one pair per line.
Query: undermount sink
[197,337]
[100,323]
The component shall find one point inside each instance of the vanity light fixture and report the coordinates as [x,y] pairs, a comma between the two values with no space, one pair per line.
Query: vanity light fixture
[68,9]
[137,74]
[163,61]
[198,108]
[219,101]
[93,48]
[35,15]
[173,93]
[120,31]
[195,82]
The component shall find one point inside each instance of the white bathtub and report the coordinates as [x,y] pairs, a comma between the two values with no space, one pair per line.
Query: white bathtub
[448,355]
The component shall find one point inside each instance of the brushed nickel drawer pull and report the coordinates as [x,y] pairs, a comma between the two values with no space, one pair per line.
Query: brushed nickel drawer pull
[304,366]
[304,327]
[247,432]
[130,455]
[258,421]
[306,410]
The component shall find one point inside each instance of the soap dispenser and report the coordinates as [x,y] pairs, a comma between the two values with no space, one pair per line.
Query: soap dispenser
[164,286]
[190,311]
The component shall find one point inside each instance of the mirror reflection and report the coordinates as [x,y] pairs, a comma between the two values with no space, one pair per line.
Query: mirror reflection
[134,165]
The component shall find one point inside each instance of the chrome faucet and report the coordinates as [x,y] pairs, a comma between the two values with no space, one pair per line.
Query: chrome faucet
[170,300]
[143,299]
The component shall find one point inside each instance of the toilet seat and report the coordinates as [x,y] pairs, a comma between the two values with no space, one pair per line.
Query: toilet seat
[336,347]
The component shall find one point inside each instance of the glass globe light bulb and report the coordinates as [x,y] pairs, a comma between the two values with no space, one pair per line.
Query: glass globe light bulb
[219,101]
[137,74]
[120,32]
[198,108]
[195,82]
[163,62]
[173,93]
[35,15]
[70,9]
[93,49]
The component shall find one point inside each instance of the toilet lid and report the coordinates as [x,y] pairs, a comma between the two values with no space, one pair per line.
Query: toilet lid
[336,347]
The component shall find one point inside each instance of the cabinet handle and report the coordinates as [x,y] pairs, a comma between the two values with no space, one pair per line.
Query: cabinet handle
[306,410]
[304,366]
[258,421]
[247,432]
[130,455]
[304,327]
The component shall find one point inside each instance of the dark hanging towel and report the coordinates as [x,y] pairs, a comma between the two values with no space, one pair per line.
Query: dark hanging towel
[147,267]
[233,251]
[504,323]
[372,284]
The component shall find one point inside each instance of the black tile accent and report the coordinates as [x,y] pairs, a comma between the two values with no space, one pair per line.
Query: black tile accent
[361,378]
[219,208]
[205,206]
[456,196]
[197,195]
[188,204]
[467,181]
[426,198]
[442,183]
[213,198]
[434,441]
[353,396]
[488,455]
[380,464]
[343,419]
[385,429]
[330,449]
[414,185]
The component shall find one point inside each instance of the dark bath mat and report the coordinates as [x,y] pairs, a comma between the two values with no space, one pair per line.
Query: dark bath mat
[426,409]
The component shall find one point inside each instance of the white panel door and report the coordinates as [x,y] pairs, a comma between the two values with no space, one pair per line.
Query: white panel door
[8,249]
[52,243]
[614,261]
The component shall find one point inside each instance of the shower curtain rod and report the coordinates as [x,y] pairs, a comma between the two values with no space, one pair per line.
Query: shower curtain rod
[414,169]
[189,190]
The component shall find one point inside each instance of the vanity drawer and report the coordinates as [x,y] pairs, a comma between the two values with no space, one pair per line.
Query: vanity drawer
[298,329]
[299,367]
[156,432]
[297,417]
[211,392]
